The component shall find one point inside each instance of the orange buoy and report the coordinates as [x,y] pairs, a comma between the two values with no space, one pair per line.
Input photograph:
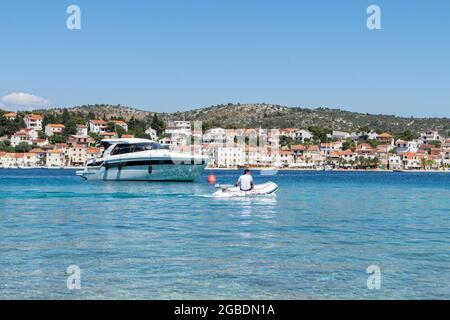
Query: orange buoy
[212,178]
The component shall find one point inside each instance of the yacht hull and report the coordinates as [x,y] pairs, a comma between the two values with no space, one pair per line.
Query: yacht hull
[160,172]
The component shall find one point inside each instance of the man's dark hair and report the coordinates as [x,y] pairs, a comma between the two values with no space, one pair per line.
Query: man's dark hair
[246,171]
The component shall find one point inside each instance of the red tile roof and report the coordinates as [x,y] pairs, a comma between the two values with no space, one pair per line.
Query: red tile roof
[55,151]
[313,148]
[21,134]
[384,135]
[37,150]
[34,117]
[298,147]
[93,150]
[98,122]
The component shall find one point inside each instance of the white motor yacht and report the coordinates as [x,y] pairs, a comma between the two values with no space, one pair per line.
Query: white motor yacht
[142,160]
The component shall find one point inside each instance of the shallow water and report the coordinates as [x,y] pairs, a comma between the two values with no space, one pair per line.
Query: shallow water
[315,239]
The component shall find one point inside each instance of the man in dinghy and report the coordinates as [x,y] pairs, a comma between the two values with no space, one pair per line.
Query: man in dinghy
[245,181]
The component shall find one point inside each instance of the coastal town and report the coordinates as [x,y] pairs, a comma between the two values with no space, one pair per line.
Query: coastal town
[31,140]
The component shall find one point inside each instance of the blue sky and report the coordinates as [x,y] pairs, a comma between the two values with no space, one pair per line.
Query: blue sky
[182,54]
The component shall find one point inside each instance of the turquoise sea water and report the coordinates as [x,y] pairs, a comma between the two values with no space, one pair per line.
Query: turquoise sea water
[315,239]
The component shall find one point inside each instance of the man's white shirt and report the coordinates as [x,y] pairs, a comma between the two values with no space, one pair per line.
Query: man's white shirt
[246,182]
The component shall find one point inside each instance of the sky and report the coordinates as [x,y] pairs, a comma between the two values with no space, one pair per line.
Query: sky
[177,55]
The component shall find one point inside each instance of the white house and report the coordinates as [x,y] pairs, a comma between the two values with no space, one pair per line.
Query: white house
[40,155]
[430,136]
[341,135]
[180,124]
[214,135]
[8,160]
[347,155]
[446,153]
[77,155]
[229,156]
[33,121]
[395,162]
[121,124]
[10,116]
[12,160]
[82,130]
[302,135]
[411,160]
[326,148]
[31,132]
[152,133]
[2,156]
[20,137]
[55,158]
[446,158]
[312,156]
[27,159]
[92,153]
[402,146]
[173,141]
[252,155]
[280,158]
[40,142]
[288,132]
[97,126]
[372,136]
[54,129]
[178,128]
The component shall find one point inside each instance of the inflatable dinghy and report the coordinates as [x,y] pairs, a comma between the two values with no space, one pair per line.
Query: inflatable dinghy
[226,191]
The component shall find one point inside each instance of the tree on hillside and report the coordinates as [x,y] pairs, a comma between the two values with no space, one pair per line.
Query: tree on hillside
[285,141]
[406,135]
[5,146]
[427,163]
[111,126]
[71,128]
[91,115]
[348,144]
[436,143]
[373,143]
[157,124]
[23,147]
[206,125]
[364,129]
[319,133]
[50,118]
[57,139]
[374,162]
[65,116]
[120,131]
[9,127]
[95,136]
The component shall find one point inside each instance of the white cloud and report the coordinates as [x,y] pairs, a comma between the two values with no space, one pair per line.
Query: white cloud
[18,100]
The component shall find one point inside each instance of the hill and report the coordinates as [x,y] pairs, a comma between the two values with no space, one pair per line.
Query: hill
[276,116]
[271,116]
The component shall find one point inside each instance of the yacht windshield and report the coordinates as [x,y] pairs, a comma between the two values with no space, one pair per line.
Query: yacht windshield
[138,147]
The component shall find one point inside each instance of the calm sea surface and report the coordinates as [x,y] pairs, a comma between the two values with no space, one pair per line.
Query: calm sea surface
[315,239]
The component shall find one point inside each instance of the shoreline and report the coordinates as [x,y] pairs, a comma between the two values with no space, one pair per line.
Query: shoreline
[255,169]
[333,170]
